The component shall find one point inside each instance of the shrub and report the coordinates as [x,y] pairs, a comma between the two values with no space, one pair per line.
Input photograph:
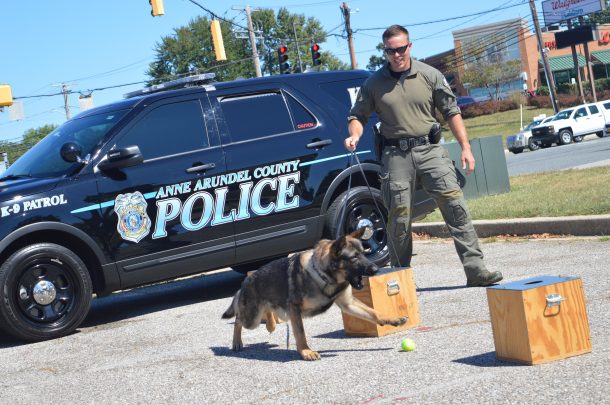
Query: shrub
[488,107]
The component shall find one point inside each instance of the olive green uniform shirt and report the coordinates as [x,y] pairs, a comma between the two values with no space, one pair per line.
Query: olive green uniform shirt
[405,106]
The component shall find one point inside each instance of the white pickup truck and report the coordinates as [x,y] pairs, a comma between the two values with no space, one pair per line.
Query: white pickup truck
[572,124]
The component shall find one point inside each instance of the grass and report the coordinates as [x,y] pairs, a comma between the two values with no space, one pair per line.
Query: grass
[504,123]
[548,194]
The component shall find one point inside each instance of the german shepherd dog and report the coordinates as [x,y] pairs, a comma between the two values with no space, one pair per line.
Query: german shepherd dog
[303,285]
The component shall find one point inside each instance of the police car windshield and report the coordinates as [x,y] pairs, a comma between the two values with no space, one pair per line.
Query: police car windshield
[44,158]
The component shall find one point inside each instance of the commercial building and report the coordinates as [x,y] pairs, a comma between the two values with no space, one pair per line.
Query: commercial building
[515,40]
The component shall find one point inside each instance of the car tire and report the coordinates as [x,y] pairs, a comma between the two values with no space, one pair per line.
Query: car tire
[517,151]
[578,138]
[565,137]
[360,208]
[45,292]
[600,134]
[532,145]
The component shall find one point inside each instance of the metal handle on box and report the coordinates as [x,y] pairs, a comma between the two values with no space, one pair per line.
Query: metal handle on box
[393,287]
[554,300]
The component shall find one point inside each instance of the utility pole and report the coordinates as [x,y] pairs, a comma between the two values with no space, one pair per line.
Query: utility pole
[348,29]
[296,42]
[65,92]
[257,65]
[545,60]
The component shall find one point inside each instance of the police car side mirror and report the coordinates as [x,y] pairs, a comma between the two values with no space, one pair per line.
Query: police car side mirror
[70,152]
[120,158]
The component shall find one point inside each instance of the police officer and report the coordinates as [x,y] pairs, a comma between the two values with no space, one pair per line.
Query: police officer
[404,94]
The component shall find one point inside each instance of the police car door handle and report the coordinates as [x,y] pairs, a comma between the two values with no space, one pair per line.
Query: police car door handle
[319,144]
[201,168]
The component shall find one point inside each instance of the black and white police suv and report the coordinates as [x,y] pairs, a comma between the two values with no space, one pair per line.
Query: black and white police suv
[176,179]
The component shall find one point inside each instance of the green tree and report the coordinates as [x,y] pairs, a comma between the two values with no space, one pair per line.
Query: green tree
[189,49]
[280,29]
[486,67]
[603,17]
[30,138]
[375,61]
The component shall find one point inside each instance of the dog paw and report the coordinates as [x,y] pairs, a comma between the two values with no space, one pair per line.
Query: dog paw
[237,346]
[309,355]
[399,321]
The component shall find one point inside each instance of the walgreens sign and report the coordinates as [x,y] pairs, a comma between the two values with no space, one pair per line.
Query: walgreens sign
[555,11]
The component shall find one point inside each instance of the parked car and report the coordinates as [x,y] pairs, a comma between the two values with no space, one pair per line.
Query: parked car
[463,101]
[517,143]
[178,179]
[571,124]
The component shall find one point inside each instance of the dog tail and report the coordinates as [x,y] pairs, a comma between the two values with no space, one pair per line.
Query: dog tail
[230,312]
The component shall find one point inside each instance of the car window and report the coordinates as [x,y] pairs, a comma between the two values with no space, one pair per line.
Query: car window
[593,109]
[256,115]
[533,124]
[562,115]
[168,129]
[44,159]
[581,112]
[301,117]
[607,106]
[548,120]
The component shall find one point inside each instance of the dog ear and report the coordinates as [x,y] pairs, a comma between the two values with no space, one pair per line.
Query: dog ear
[358,233]
[337,246]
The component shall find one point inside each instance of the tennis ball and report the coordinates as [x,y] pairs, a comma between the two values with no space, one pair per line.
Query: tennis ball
[408,345]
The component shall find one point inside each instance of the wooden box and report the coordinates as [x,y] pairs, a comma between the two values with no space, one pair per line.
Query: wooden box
[391,292]
[539,320]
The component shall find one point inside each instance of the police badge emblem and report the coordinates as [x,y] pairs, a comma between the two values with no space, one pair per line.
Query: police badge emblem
[133,223]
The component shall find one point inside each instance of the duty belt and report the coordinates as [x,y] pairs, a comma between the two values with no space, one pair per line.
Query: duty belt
[407,143]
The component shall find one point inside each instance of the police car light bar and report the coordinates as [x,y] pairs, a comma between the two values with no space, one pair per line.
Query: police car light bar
[173,84]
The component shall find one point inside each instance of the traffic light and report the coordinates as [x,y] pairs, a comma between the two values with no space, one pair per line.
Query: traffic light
[282,57]
[217,40]
[6,96]
[315,54]
[157,8]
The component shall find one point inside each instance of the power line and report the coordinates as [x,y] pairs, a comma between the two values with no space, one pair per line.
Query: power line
[447,19]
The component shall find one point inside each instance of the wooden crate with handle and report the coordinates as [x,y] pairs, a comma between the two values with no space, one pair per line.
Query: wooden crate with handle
[391,292]
[540,319]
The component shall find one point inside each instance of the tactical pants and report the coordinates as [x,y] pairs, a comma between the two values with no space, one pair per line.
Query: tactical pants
[430,165]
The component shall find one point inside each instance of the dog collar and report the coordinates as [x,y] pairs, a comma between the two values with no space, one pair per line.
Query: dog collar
[320,278]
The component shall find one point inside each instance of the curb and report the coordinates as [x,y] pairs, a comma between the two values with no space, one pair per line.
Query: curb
[581,225]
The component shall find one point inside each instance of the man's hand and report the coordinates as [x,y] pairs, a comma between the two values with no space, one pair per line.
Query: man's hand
[355,129]
[351,142]
[467,161]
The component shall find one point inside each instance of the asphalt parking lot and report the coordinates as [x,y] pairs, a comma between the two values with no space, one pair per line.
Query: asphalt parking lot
[167,344]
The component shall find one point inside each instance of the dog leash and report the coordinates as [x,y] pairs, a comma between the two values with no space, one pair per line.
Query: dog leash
[390,243]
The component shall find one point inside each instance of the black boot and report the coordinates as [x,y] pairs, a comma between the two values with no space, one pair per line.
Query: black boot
[483,279]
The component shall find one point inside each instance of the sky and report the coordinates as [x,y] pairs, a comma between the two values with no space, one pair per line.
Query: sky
[89,44]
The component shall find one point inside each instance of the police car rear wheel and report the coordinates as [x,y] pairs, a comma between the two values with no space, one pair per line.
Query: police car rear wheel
[360,210]
[45,292]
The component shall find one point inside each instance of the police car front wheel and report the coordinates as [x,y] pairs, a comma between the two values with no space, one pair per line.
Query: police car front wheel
[361,208]
[45,292]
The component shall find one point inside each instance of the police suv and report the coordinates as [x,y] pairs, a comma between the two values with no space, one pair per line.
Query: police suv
[182,178]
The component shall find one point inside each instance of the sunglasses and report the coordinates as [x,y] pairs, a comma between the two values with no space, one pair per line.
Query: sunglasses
[400,50]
